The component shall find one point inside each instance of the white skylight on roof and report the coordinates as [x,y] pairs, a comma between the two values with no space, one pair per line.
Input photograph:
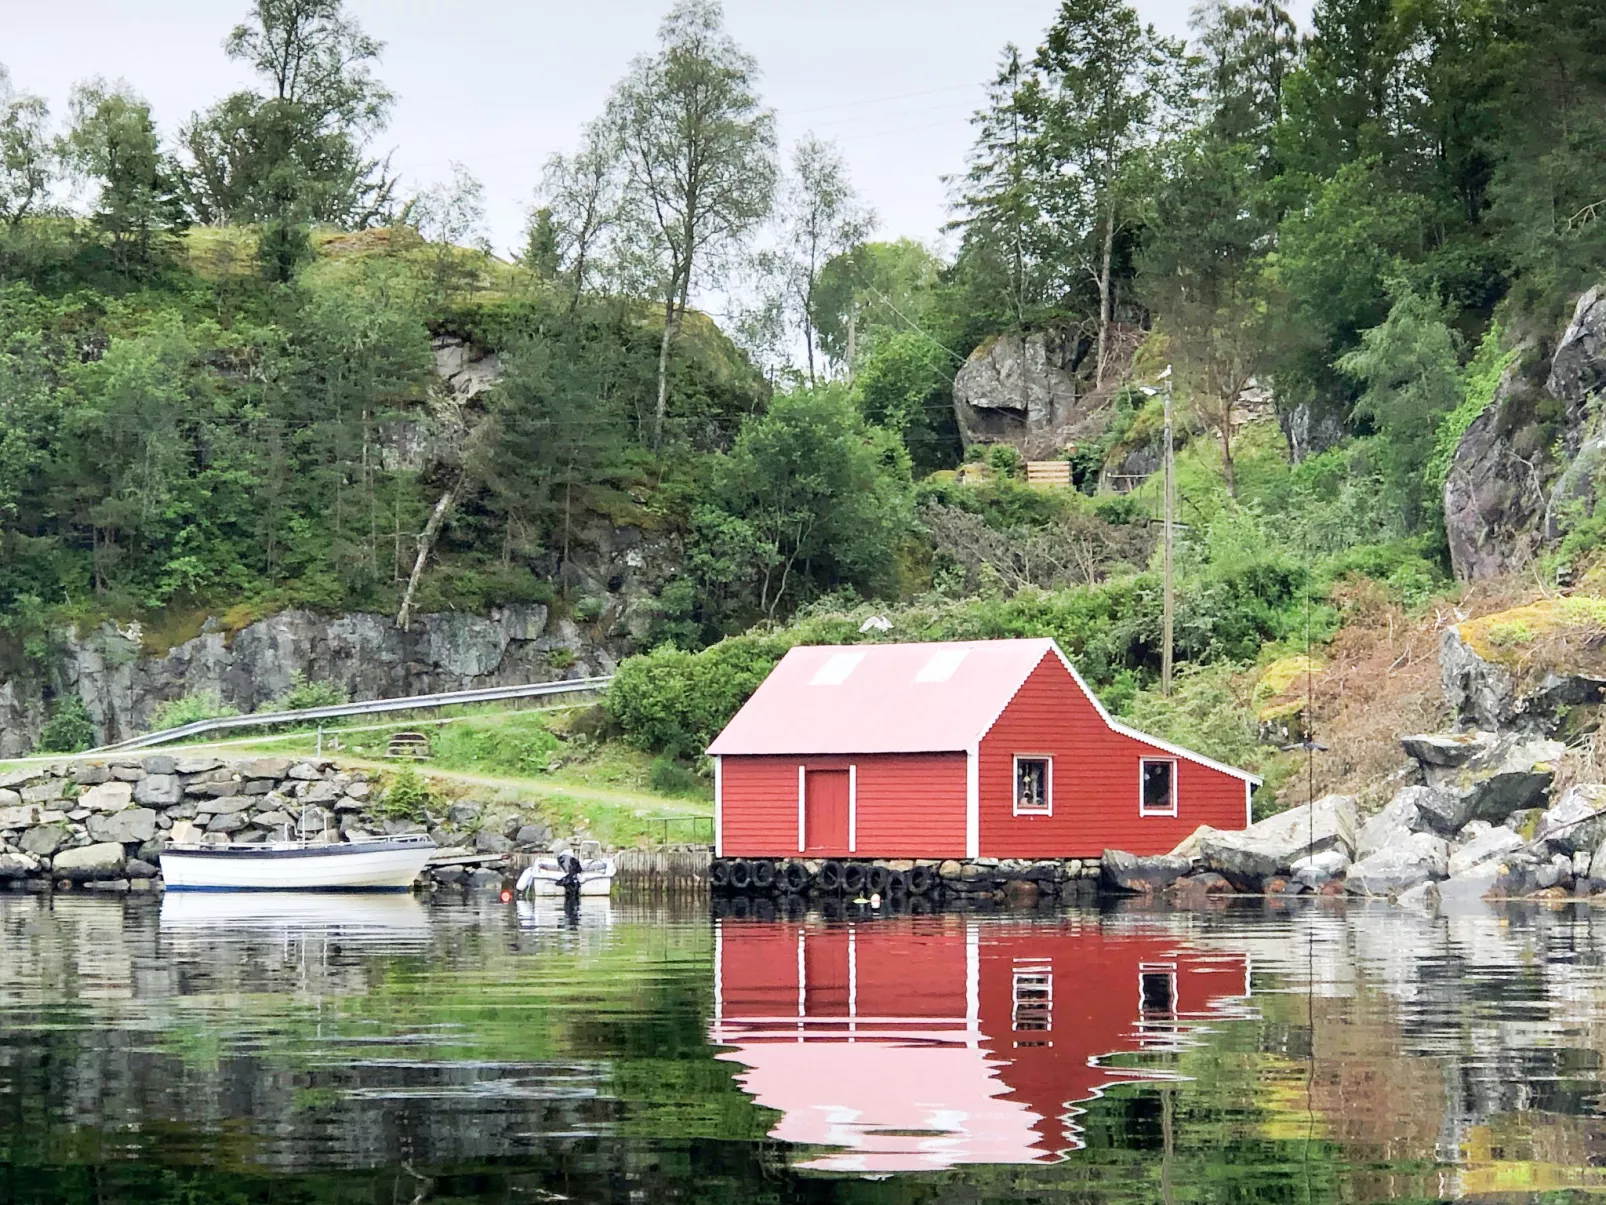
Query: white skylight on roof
[942,665]
[836,669]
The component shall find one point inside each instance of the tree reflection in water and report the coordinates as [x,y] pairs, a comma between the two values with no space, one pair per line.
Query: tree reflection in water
[404,1051]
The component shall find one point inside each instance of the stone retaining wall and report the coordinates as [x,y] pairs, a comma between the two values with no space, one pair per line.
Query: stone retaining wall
[103,825]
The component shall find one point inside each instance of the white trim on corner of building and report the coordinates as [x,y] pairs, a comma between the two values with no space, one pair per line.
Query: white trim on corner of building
[973,801]
[853,810]
[719,807]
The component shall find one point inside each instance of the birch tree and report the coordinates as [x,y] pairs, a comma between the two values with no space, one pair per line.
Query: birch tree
[699,155]
[821,218]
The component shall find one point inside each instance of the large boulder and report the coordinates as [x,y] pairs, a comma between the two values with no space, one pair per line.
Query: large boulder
[1413,809]
[1248,857]
[107,797]
[45,840]
[158,790]
[1512,774]
[1576,823]
[1486,693]
[1482,693]
[1023,390]
[1467,887]
[25,815]
[17,866]
[1417,858]
[1435,751]
[1122,871]
[132,825]
[1485,847]
[1320,869]
[90,862]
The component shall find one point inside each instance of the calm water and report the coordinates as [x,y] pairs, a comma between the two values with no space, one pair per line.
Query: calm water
[199,1050]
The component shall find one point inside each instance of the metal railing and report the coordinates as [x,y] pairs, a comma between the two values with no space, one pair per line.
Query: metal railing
[692,830]
[454,698]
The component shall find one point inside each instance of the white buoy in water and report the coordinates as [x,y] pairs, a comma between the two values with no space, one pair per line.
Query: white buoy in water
[875,899]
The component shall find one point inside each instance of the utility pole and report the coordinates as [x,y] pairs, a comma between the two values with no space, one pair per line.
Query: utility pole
[853,337]
[1170,514]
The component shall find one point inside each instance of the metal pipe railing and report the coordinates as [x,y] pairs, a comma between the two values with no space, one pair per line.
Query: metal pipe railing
[454,698]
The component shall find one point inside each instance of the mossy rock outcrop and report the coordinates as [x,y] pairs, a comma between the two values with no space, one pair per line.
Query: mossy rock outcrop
[1528,668]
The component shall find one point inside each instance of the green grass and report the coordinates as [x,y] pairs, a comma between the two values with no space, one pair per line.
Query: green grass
[515,760]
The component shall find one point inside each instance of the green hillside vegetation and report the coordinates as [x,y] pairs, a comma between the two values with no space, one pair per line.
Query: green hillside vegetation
[217,387]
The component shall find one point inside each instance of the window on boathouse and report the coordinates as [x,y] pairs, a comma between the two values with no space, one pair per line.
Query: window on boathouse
[1034,785]
[1159,787]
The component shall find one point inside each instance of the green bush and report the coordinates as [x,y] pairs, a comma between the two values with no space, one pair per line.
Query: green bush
[178,712]
[1206,712]
[69,728]
[667,776]
[676,702]
[304,694]
[408,795]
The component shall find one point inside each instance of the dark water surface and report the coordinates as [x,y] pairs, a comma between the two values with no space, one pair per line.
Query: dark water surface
[206,1049]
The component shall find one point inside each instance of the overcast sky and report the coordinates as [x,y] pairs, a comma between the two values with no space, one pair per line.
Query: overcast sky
[500,84]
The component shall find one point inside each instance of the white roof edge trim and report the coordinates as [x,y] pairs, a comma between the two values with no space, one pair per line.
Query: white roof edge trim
[1116,726]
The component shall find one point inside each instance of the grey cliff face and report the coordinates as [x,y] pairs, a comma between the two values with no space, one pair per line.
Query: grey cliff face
[1516,478]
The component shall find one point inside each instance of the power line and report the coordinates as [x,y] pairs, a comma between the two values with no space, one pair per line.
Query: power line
[875,100]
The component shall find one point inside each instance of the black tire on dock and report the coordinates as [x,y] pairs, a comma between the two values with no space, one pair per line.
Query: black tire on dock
[719,874]
[763,874]
[741,874]
[853,877]
[897,882]
[875,878]
[920,880]
[794,876]
[830,877]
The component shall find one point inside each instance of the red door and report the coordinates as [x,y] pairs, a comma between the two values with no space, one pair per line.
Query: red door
[825,812]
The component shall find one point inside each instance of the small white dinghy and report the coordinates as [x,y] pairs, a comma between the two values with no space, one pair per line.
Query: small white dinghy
[561,874]
[363,864]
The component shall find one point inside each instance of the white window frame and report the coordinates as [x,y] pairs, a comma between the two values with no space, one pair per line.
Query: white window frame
[1048,785]
[1176,784]
[1038,977]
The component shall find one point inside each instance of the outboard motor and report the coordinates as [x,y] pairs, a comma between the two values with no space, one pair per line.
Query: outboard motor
[571,867]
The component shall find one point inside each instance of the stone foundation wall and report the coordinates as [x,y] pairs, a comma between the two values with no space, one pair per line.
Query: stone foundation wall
[103,825]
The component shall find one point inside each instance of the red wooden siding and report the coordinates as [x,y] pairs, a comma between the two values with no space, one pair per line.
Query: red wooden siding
[1095,778]
[908,805]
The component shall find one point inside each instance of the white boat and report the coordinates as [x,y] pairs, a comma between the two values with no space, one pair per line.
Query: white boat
[550,875]
[381,916]
[370,864]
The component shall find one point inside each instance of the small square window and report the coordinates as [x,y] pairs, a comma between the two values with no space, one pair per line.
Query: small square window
[1034,786]
[1159,788]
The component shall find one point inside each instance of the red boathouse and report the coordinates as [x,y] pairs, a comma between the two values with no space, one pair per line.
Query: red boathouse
[985,749]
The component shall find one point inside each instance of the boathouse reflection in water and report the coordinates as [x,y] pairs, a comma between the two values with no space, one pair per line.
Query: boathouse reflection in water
[920,1043]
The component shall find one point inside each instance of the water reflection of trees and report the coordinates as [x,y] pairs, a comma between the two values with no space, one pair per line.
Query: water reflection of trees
[1393,1054]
